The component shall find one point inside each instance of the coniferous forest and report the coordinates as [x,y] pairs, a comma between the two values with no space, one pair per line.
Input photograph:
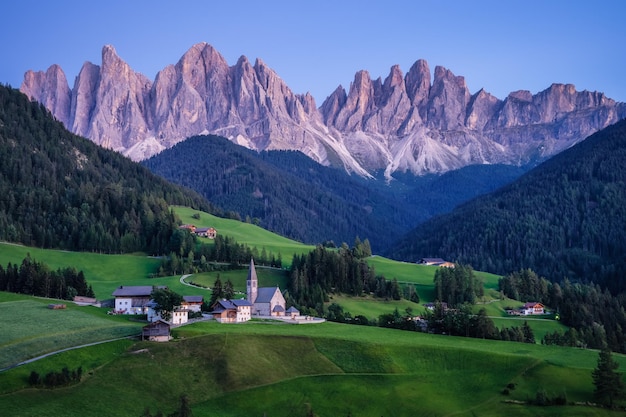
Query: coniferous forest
[58,190]
[292,195]
[565,220]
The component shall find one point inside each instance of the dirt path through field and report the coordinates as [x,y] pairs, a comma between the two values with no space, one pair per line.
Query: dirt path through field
[62,350]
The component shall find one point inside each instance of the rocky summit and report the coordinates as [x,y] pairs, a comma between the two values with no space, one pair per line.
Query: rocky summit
[402,123]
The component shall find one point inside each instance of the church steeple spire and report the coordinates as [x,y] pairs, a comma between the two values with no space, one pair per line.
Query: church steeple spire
[252,283]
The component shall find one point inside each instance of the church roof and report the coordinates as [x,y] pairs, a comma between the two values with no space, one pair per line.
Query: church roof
[278,308]
[265,294]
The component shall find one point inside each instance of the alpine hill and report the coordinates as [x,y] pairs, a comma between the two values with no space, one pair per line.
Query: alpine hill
[564,219]
[58,190]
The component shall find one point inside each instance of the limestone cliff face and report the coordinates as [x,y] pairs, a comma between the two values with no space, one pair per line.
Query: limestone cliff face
[400,123]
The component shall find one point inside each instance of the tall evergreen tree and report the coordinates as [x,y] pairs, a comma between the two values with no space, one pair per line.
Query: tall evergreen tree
[609,385]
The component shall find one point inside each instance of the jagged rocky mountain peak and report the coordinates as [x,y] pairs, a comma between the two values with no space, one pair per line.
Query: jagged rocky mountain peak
[403,122]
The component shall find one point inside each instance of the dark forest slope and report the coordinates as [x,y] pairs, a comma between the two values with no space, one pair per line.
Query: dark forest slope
[58,190]
[565,218]
[292,195]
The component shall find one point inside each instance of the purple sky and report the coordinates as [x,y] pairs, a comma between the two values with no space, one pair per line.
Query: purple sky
[314,46]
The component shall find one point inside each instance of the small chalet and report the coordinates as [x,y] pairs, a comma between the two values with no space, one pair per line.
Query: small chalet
[532,308]
[436,262]
[133,299]
[158,331]
[208,232]
[192,303]
[232,311]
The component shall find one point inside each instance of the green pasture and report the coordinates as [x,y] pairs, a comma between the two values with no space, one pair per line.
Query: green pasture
[103,272]
[420,275]
[372,307]
[262,368]
[245,233]
[30,328]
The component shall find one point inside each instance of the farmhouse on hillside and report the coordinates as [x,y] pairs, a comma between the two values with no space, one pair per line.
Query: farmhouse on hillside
[133,299]
[138,300]
[532,308]
[157,331]
[266,301]
[436,262]
[208,232]
[528,309]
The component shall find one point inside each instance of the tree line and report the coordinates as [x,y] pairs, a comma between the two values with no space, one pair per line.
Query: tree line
[324,271]
[65,192]
[563,219]
[595,316]
[36,278]
[189,255]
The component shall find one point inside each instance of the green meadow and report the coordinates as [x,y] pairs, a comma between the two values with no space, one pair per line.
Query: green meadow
[245,233]
[106,272]
[30,328]
[328,369]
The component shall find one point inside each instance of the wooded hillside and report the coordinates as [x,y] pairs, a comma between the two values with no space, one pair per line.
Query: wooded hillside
[58,190]
[564,219]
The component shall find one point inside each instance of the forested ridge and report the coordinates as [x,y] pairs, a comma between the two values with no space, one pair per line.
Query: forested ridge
[292,195]
[58,190]
[564,219]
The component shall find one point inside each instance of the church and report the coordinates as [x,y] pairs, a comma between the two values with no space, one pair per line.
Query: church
[266,301]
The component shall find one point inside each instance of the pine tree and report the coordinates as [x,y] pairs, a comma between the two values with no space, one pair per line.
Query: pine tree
[609,384]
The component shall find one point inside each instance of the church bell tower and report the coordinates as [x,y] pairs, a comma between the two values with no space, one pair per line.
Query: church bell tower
[252,283]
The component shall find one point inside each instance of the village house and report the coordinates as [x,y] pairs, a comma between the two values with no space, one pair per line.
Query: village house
[192,303]
[133,299]
[231,311]
[157,331]
[208,232]
[533,308]
[436,262]
[528,309]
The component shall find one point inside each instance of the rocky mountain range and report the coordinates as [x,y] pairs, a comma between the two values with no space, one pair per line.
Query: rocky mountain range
[402,123]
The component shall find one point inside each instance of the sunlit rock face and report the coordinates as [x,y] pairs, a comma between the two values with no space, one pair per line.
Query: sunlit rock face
[401,123]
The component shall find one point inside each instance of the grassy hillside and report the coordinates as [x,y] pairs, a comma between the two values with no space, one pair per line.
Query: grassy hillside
[245,233]
[234,370]
[40,330]
[63,191]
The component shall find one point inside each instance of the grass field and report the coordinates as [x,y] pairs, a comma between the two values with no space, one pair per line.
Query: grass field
[30,328]
[246,233]
[329,369]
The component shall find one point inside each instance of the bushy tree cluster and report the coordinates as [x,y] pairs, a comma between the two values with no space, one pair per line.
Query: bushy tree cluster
[462,322]
[188,255]
[36,278]
[55,379]
[322,271]
[458,285]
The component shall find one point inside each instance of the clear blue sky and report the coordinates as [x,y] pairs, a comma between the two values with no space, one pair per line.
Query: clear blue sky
[314,46]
